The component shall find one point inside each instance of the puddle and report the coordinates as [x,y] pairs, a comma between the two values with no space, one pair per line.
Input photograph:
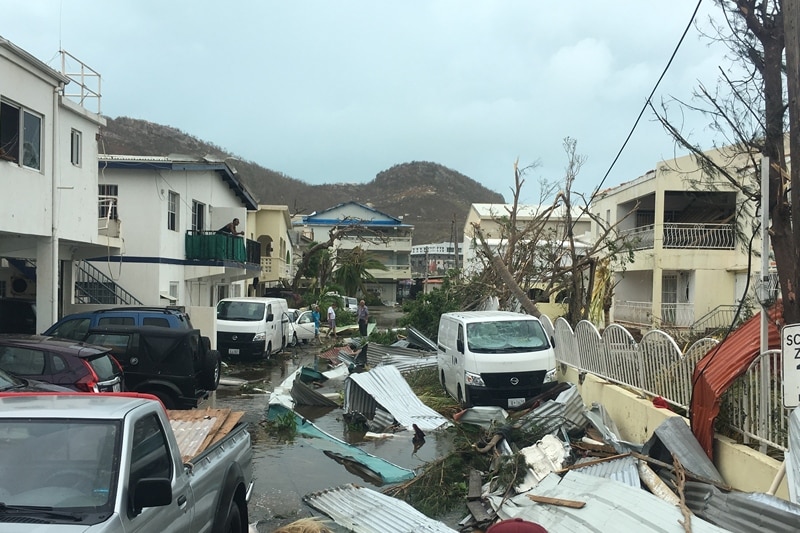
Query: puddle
[284,472]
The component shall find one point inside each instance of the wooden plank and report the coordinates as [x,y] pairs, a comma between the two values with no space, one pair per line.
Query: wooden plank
[478,511]
[556,501]
[474,492]
[229,423]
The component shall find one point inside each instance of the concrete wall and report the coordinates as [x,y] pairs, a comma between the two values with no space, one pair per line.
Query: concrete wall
[636,418]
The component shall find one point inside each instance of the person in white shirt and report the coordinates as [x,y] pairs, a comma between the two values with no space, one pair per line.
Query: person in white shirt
[332,320]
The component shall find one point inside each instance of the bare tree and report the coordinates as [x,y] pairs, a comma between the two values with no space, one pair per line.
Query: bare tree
[548,256]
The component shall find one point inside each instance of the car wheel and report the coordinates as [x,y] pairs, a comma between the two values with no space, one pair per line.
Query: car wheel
[463,400]
[294,339]
[268,353]
[233,522]
[210,371]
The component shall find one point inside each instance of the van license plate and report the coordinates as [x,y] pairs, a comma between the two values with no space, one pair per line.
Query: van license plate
[515,402]
[233,351]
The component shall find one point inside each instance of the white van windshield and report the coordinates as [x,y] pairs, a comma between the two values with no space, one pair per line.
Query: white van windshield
[507,336]
[243,311]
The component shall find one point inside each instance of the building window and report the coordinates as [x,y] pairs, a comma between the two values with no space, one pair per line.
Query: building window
[107,199]
[18,123]
[198,216]
[75,148]
[172,211]
[173,289]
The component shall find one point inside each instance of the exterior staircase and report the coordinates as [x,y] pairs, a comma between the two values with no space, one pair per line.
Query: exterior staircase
[94,287]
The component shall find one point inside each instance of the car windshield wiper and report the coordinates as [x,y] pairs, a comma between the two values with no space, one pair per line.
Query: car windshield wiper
[36,510]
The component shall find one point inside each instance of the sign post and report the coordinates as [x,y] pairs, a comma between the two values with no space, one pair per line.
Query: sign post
[790,353]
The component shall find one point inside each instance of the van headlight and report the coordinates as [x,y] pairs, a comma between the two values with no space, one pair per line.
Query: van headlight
[260,337]
[474,380]
[550,376]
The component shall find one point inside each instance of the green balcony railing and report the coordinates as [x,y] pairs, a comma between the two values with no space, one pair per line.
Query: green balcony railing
[209,245]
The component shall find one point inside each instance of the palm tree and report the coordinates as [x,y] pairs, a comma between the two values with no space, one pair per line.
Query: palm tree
[353,269]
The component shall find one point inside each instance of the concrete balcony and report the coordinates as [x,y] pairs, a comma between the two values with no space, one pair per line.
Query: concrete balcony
[274,269]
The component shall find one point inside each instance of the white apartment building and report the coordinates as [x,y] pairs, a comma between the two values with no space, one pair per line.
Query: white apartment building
[48,170]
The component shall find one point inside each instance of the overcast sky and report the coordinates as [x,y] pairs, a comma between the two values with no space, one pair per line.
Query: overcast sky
[337,91]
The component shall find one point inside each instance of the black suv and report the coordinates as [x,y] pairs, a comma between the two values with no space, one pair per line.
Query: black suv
[176,365]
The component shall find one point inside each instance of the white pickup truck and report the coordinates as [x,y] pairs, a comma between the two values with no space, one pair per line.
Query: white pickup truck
[95,463]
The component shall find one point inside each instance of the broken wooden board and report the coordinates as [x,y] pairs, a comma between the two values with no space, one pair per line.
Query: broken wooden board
[197,429]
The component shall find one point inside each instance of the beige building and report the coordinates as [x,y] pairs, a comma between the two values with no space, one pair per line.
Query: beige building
[271,226]
[688,268]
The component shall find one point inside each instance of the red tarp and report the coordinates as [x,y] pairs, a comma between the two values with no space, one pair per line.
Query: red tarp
[715,372]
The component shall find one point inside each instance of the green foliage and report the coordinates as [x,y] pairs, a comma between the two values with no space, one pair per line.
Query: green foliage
[423,312]
[284,426]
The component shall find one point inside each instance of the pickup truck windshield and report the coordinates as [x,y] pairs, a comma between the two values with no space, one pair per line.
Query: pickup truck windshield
[507,336]
[245,311]
[67,468]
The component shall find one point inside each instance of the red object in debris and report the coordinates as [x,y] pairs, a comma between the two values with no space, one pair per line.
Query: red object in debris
[515,525]
[717,370]
[660,402]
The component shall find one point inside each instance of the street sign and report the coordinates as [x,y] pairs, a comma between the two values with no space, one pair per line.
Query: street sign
[790,353]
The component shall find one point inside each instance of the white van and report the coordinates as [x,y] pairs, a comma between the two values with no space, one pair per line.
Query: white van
[493,357]
[252,326]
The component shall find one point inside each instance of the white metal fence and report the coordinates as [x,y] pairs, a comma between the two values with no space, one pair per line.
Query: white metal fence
[752,407]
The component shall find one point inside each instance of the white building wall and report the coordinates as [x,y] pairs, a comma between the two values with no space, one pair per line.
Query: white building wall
[153,255]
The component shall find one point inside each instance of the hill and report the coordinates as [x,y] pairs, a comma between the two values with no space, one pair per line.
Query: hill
[428,195]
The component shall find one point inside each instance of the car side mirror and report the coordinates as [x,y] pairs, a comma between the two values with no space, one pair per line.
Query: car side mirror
[553,342]
[151,492]
[270,317]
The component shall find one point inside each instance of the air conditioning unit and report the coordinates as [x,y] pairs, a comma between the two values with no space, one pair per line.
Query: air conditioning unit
[22,287]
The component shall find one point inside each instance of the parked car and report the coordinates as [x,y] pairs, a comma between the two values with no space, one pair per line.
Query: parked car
[75,365]
[176,365]
[12,383]
[110,463]
[302,325]
[17,316]
[75,326]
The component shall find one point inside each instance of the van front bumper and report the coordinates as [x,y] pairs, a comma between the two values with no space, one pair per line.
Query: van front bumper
[241,346]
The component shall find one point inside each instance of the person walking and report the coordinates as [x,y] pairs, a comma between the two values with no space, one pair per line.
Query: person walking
[363,317]
[315,317]
[332,320]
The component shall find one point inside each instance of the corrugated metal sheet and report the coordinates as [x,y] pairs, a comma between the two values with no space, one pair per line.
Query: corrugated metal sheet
[302,394]
[624,469]
[384,385]
[673,437]
[418,339]
[566,409]
[610,507]
[405,359]
[715,372]
[190,434]
[363,510]
[792,457]
[742,512]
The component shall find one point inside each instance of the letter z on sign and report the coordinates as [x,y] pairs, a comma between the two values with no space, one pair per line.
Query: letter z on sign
[790,353]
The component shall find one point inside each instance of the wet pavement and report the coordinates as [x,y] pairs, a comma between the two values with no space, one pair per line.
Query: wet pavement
[284,471]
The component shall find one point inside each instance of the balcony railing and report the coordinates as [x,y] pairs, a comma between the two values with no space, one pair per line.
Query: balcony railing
[212,246]
[274,269]
[641,313]
[684,236]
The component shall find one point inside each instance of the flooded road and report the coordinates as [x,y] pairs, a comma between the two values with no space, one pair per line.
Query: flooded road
[283,471]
